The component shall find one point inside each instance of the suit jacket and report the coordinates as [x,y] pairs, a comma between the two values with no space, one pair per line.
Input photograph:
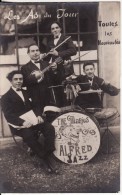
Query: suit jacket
[39,92]
[92,99]
[13,106]
[96,83]
[65,52]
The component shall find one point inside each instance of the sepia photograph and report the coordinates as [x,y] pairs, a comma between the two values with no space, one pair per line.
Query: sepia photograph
[60,97]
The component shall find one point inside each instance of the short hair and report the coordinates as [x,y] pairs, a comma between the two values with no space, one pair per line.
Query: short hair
[32,44]
[87,63]
[11,74]
[56,22]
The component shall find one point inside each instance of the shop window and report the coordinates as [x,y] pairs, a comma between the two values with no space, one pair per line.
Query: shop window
[82,26]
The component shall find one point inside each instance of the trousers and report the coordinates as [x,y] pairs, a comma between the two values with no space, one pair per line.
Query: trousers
[30,137]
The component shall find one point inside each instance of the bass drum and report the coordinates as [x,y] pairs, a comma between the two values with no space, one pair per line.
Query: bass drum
[77,137]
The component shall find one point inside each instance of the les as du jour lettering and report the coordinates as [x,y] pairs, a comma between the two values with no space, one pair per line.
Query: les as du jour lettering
[34,15]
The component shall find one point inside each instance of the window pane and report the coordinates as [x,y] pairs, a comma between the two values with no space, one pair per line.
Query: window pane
[7,25]
[89,42]
[7,45]
[49,16]
[75,41]
[88,17]
[23,43]
[27,21]
[43,42]
[70,14]
[8,50]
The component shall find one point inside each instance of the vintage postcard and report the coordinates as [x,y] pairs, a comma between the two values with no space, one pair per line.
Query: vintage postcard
[60,61]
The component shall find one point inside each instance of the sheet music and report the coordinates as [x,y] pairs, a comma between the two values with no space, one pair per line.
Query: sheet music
[30,116]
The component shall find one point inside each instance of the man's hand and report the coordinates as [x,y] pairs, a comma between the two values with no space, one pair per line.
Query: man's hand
[38,74]
[40,119]
[42,55]
[53,52]
[27,124]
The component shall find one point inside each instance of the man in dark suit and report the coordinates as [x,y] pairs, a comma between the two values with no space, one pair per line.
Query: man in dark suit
[14,104]
[91,82]
[36,83]
[65,51]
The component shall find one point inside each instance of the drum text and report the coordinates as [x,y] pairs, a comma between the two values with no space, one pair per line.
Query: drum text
[72,120]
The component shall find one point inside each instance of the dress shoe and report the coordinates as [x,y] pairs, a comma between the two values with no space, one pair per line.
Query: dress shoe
[47,166]
[51,164]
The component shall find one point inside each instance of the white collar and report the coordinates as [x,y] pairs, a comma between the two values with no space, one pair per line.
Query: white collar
[34,61]
[58,36]
[15,89]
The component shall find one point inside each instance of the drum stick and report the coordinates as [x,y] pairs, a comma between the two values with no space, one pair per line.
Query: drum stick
[79,57]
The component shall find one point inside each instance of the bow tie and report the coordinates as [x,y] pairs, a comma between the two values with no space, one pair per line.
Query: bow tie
[90,78]
[37,62]
[56,37]
[18,89]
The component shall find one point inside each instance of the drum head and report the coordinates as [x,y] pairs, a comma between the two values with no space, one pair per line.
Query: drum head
[77,137]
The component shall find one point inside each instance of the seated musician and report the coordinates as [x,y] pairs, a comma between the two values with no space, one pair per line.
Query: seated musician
[14,104]
[91,82]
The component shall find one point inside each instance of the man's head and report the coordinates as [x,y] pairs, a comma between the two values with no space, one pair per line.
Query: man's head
[89,69]
[55,29]
[16,78]
[33,52]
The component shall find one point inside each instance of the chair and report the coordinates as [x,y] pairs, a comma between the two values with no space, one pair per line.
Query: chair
[20,144]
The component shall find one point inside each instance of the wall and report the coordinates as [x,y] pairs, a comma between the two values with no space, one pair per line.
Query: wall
[109,54]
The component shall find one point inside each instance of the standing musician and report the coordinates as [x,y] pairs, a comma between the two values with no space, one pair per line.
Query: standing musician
[65,51]
[91,82]
[15,103]
[36,83]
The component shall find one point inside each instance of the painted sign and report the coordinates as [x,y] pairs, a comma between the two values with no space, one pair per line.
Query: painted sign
[77,138]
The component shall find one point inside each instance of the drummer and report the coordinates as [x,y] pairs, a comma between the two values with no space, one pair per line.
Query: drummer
[90,81]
